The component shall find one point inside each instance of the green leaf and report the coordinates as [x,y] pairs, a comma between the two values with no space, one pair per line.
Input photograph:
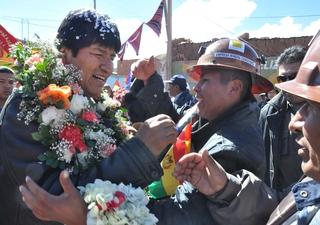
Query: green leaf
[42,157]
[37,136]
[91,143]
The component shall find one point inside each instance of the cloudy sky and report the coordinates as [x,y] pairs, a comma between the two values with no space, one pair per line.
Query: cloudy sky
[197,20]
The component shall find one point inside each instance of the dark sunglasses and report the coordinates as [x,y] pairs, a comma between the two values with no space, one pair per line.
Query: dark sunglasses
[284,78]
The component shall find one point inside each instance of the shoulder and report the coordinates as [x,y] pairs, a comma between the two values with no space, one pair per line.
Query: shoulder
[12,104]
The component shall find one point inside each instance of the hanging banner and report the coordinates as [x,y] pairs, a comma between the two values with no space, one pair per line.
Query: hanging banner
[155,22]
[135,39]
[122,51]
[6,39]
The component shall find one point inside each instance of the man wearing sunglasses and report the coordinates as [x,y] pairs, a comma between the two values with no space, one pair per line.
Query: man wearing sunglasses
[283,162]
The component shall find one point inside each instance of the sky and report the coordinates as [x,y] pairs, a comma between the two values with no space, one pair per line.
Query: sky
[197,20]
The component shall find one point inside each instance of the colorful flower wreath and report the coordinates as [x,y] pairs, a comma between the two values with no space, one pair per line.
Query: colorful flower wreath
[78,130]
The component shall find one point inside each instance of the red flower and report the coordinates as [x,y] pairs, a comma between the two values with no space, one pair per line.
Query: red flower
[89,116]
[73,134]
[119,198]
[117,201]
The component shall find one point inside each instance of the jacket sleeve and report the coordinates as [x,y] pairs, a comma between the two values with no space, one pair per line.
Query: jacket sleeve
[145,101]
[132,162]
[245,200]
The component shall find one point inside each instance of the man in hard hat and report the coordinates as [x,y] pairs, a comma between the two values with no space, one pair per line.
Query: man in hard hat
[228,195]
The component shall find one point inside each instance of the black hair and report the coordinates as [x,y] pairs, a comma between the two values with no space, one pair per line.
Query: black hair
[292,54]
[228,75]
[83,27]
[5,69]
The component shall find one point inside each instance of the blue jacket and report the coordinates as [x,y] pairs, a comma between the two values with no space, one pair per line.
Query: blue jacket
[300,206]
[183,102]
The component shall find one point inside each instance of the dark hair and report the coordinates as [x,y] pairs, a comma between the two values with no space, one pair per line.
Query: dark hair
[292,54]
[228,75]
[5,69]
[81,28]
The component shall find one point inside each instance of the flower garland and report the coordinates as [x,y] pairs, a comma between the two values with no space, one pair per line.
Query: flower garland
[78,131]
[121,204]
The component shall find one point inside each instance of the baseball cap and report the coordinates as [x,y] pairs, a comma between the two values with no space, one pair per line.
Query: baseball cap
[179,80]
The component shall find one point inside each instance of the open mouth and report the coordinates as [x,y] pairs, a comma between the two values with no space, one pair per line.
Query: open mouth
[102,78]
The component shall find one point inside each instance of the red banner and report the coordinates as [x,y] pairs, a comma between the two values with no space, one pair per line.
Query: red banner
[6,39]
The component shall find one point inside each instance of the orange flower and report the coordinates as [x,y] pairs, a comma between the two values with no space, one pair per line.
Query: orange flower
[54,94]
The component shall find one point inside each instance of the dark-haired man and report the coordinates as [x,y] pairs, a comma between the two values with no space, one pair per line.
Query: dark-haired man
[283,162]
[89,41]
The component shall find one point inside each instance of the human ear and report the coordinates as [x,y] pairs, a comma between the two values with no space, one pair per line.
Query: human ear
[235,87]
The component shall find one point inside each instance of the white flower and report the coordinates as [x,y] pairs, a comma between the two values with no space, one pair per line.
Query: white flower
[108,102]
[52,114]
[132,211]
[78,103]
[101,107]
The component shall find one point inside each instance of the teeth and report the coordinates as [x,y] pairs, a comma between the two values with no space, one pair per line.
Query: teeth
[99,77]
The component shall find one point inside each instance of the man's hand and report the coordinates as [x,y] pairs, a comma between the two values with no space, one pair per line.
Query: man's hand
[157,132]
[143,68]
[67,208]
[202,171]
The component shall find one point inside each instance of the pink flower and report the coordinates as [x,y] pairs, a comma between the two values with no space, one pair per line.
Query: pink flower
[34,59]
[89,116]
[76,89]
[73,134]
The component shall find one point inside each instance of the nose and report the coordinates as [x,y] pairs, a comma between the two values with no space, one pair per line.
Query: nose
[297,121]
[107,66]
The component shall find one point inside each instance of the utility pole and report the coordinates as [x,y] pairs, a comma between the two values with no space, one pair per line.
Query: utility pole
[168,17]
[22,21]
[94,4]
[28,29]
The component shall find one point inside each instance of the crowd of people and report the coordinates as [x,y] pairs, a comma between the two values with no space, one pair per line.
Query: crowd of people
[249,164]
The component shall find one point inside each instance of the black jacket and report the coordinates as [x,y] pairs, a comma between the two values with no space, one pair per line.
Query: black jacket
[235,141]
[146,101]
[283,162]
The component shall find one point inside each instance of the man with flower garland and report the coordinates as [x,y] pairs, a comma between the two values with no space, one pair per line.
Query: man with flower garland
[89,41]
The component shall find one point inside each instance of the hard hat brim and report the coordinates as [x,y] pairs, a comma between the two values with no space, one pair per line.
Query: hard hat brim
[302,90]
[260,84]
